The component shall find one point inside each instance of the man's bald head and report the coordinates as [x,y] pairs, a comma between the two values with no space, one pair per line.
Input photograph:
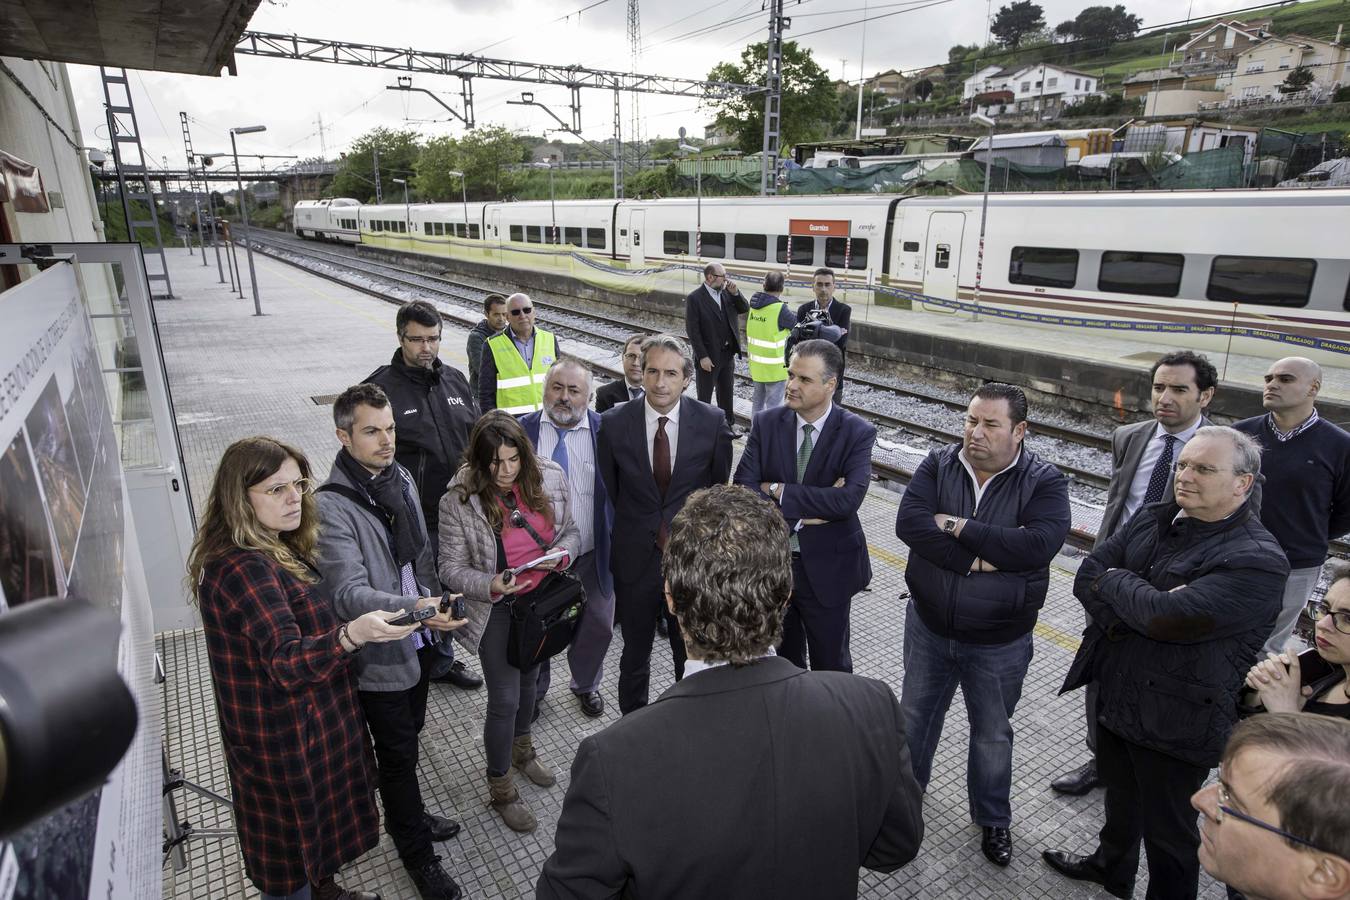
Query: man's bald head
[1291,389]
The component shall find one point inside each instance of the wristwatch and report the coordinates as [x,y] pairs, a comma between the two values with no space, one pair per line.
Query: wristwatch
[773,489]
[949,526]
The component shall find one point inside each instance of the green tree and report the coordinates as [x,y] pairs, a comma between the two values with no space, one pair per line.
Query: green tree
[356,168]
[1297,80]
[484,155]
[808,105]
[1099,27]
[1014,22]
[439,157]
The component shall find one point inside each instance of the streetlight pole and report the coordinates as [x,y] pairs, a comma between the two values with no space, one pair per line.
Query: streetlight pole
[698,226]
[407,211]
[464,196]
[984,120]
[243,206]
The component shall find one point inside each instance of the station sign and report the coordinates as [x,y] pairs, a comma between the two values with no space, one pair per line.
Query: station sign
[819,227]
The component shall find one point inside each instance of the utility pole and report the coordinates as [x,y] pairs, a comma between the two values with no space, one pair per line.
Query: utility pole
[379,194]
[773,99]
[862,57]
[635,48]
[323,144]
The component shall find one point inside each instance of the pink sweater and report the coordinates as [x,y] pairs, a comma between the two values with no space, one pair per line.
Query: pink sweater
[520,547]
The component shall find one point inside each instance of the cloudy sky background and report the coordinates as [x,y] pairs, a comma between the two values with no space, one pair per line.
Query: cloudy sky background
[681,39]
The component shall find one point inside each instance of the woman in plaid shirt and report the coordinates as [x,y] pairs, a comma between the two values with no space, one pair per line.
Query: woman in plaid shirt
[285,686]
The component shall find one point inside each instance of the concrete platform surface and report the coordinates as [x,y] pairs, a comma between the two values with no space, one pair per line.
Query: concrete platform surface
[233,374]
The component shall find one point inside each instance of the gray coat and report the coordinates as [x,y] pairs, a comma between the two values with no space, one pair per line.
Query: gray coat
[360,575]
[468,559]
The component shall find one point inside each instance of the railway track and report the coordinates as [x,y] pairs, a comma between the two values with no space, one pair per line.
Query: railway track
[461,292]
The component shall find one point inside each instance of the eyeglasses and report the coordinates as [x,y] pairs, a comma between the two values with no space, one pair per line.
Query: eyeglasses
[1198,468]
[1340,618]
[423,340]
[522,311]
[301,486]
[1225,808]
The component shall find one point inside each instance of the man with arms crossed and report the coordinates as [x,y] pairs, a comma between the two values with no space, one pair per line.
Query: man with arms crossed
[1142,458]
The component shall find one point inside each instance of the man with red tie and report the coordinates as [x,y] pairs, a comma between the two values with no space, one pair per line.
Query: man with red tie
[652,455]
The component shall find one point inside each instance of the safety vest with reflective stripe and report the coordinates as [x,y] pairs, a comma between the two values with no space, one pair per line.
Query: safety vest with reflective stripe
[766,342]
[520,388]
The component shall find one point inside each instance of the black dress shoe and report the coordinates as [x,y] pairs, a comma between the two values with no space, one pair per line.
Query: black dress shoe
[328,889]
[592,704]
[997,846]
[434,883]
[1084,868]
[442,829]
[460,676]
[1079,781]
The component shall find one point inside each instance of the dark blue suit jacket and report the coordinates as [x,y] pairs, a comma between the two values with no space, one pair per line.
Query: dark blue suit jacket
[604,512]
[702,459]
[834,554]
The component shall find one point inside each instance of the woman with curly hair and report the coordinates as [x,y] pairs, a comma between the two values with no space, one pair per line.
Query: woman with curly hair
[285,685]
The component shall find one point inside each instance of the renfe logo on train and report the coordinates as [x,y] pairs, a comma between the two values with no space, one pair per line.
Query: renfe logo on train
[818,227]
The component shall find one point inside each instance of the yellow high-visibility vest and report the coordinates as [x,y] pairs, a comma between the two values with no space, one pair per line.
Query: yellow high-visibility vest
[520,388]
[766,343]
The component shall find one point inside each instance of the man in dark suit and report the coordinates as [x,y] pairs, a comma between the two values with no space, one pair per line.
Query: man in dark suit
[751,777]
[836,312]
[815,460]
[630,388]
[652,455]
[566,432]
[711,318]
[1142,459]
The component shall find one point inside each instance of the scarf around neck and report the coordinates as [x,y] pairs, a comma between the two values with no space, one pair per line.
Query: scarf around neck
[385,492]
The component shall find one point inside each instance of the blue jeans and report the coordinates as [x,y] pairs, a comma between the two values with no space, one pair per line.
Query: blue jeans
[302,894]
[990,676]
[443,658]
[767,395]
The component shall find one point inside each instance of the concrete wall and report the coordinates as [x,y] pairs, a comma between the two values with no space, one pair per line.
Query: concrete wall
[1179,103]
[26,133]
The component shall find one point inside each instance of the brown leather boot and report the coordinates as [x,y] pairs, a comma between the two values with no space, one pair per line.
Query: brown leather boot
[506,800]
[527,762]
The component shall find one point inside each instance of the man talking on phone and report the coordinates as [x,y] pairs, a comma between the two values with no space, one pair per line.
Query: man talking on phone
[712,320]
[374,554]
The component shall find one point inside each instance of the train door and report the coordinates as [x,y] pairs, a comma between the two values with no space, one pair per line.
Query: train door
[636,254]
[495,224]
[943,254]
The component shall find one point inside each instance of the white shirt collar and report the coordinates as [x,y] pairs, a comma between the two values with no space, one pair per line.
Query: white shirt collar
[970,470]
[697,665]
[818,424]
[673,417]
[1182,436]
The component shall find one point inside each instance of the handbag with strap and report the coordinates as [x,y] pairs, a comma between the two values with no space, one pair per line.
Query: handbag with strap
[543,620]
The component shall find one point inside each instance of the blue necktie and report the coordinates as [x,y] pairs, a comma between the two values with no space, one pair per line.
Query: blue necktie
[560,449]
[1158,480]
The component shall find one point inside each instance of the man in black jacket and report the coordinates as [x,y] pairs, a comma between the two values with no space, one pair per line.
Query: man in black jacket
[982,520]
[751,777]
[433,412]
[835,312]
[492,324]
[630,386]
[712,321]
[1180,602]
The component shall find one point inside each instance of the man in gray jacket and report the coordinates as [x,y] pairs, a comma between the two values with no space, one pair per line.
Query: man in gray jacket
[374,554]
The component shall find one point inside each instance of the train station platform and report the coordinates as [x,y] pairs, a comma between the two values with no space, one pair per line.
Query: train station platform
[233,374]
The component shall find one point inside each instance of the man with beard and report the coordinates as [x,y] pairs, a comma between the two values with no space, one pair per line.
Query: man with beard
[374,554]
[434,410]
[565,431]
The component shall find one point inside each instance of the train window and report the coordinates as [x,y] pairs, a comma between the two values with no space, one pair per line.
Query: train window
[1049,266]
[715,244]
[1264,280]
[427,226]
[461,230]
[595,238]
[942,256]
[517,233]
[676,243]
[1149,274]
[533,235]
[403,227]
[911,247]
[753,247]
[803,250]
[572,236]
[837,248]
[473,231]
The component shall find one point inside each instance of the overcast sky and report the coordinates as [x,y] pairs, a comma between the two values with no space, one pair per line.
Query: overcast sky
[289,97]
